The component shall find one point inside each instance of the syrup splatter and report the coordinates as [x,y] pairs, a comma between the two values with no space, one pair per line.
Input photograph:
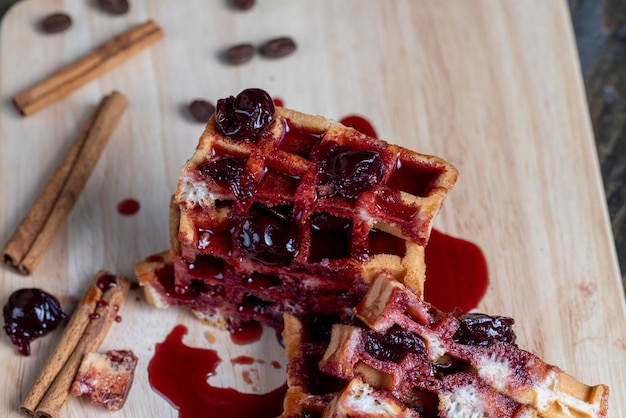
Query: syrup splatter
[179,373]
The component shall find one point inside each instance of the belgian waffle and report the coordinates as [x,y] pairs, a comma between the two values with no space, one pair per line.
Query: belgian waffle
[335,234]
[417,352]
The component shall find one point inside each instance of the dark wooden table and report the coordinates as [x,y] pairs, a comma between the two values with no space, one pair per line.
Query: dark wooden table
[600,29]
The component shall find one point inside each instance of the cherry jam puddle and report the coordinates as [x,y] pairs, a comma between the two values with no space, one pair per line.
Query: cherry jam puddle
[179,373]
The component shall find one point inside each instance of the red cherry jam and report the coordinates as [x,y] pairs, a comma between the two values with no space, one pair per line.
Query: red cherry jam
[246,333]
[246,116]
[179,373]
[351,171]
[360,124]
[297,140]
[482,329]
[128,207]
[330,237]
[394,344]
[270,235]
[457,273]
[29,314]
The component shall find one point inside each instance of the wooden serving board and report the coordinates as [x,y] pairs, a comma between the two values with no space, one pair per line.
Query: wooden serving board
[493,87]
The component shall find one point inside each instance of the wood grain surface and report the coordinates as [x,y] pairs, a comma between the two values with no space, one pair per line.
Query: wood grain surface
[494,87]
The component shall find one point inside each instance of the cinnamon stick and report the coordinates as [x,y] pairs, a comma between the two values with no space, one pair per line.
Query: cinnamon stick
[73,331]
[86,330]
[34,234]
[87,68]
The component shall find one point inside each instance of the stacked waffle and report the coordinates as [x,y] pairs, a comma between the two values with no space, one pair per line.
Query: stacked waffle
[293,220]
[403,357]
[278,211]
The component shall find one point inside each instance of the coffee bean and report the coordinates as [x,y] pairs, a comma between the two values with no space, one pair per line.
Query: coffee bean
[114,7]
[243,4]
[278,48]
[201,110]
[239,54]
[57,22]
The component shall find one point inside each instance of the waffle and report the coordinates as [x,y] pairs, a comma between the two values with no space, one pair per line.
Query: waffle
[309,391]
[329,236]
[106,378]
[416,352]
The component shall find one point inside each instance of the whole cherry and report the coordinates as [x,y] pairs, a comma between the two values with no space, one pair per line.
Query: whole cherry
[269,236]
[246,116]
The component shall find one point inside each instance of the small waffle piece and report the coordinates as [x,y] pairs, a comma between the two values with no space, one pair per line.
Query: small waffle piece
[470,363]
[300,213]
[106,378]
[309,391]
[360,400]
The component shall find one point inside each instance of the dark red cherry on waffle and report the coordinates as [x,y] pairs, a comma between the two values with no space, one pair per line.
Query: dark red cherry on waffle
[351,171]
[246,116]
[482,329]
[270,235]
[394,344]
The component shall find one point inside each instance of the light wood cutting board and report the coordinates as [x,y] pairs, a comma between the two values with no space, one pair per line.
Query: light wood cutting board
[493,87]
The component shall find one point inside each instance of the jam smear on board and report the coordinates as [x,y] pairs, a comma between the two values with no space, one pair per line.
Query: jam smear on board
[179,373]
[360,124]
[128,207]
[246,360]
[456,273]
[246,333]
[456,270]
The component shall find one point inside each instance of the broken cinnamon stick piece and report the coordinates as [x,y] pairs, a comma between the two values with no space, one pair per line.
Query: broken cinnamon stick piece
[115,289]
[87,68]
[73,331]
[35,233]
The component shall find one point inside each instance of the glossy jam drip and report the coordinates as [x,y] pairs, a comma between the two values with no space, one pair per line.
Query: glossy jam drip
[269,236]
[381,242]
[456,273]
[246,333]
[330,237]
[394,344]
[29,314]
[223,170]
[128,207]
[482,329]
[205,266]
[258,281]
[279,184]
[278,102]
[347,170]
[360,124]
[298,141]
[411,179]
[179,373]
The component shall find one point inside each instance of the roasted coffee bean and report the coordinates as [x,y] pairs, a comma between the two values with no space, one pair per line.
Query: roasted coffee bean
[114,7]
[278,48]
[57,22]
[243,4]
[239,54]
[201,110]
